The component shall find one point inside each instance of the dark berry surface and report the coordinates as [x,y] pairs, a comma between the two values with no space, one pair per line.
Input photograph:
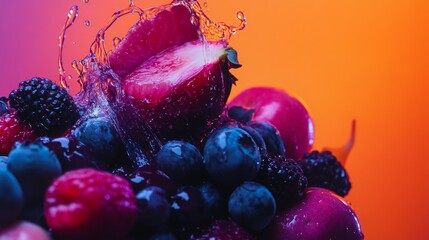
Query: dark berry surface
[188,207]
[271,136]
[322,169]
[35,167]
[101,137]
[182,161]
[231,156]
[47,107]
[252,206]
[283,177]
[3,106]
[153,206]
[11,198]
[223,229]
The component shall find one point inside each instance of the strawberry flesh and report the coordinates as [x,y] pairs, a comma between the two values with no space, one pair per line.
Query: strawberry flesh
[181,89]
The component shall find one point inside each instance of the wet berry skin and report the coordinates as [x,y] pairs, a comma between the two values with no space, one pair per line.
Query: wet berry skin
[13,130]
[188,207]
[11,198]
[252,206]
[71,153]
[271,136]
[3,106]
[153,206]
[3,162]
[181,160]
[90,204]
[231,156]
[148,175]
[257,137]
[99,135]
[215,200]
[35,167]
[324,170]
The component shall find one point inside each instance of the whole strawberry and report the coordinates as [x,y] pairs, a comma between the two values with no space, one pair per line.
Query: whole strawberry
[90,204]
[12,130]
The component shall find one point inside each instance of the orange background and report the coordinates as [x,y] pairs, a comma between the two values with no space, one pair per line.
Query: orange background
[366,60]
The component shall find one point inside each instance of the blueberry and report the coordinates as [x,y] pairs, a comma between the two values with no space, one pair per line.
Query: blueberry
[100,135]
[241,114]
[188,207]
[181,161]
[3,106]
[214,199]
[257,138]
[11,198]
[153,206]
[35,167]
[231,156]
[3,162]
[271,136]
[252,205]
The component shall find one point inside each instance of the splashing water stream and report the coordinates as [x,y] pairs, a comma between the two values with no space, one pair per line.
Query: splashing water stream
[100,88]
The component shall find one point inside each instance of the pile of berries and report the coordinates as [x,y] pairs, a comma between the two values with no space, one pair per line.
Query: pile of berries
[79,183]
[165,159]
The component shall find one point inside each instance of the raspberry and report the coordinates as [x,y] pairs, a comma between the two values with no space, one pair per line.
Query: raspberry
[323,170]
[283,177]
[12,130]
[90,204]
[47,107]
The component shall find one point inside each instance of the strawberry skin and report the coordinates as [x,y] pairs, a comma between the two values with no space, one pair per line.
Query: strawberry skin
[168,28]
[12,130]
[182,89]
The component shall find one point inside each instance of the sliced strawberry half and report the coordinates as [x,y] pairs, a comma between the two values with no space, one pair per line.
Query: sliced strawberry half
[170,27]
[181,89]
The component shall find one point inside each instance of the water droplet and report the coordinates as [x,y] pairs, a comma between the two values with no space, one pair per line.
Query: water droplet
[86,1]
[116,41]
[206,5]
[73,42]
[87,23]
[69,77]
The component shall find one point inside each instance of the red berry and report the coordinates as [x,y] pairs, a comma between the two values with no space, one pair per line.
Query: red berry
[12,130]
[90,204]
[169,27]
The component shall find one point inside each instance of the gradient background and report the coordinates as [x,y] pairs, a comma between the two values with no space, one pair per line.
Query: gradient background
[366,60]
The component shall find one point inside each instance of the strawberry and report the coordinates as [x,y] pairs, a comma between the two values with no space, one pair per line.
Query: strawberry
[12,130]
[169,27]
[180,90]
[177,82]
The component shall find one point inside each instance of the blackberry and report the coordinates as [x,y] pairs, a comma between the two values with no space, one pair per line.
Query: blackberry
[283,177]
[47,107]
[323,170]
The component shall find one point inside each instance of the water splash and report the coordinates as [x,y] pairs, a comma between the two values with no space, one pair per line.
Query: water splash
[100,88]
[71,17]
